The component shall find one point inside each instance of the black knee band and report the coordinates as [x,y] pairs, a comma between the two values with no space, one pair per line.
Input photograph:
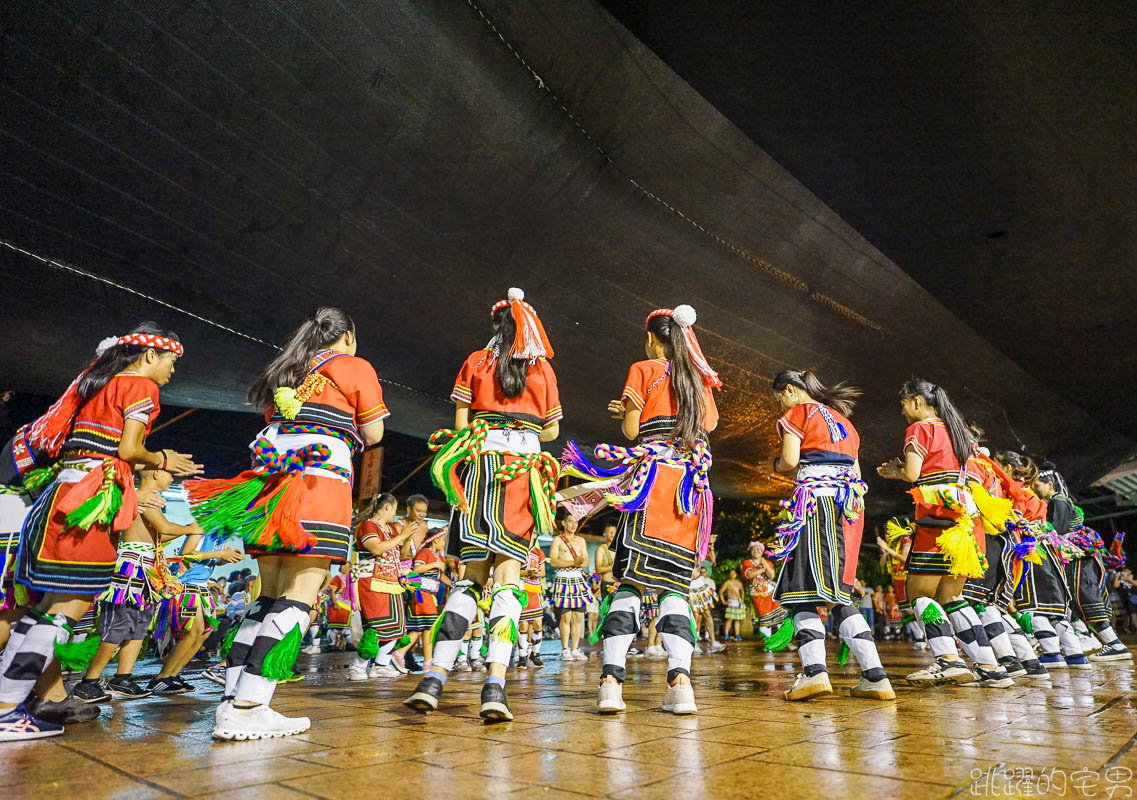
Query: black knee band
[612,670]
[452,628]
[672,674]
[842,613]
[804,636]
[619,623]
[676,625]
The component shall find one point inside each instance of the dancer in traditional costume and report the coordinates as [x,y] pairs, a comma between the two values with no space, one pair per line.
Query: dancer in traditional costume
[894,548]
[336,608]
[292,508]
[568,555]
[422,602]
[97,430]
[1042,598]
[992,595]
[948,545]
[187,619]
[759,573]
[501,487]
[533,614]
[1085,571]
[820,536]
[701,595]
[662,487]
[379,587]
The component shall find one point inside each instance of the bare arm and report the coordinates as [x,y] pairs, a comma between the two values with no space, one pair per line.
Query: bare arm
[550,432]
[461,416]
[790,456]
[373,433]
[132,449]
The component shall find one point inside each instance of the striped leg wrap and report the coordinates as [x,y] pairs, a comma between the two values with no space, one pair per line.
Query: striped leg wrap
[618,631]
[676,630]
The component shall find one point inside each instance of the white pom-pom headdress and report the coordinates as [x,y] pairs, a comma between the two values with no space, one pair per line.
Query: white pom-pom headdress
[105,345]
[529,339]
[684,316]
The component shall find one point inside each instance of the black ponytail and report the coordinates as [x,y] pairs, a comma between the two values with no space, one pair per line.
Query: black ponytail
[317,332]
[962,442]
[115,359]
[686,381]
[511,373]
[840,396]
[371,508]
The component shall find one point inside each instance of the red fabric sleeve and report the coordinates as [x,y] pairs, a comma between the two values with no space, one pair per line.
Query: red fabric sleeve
[635,387]
[793,422]
[137,398]
[553,412]
[356,378]
[918,438]
[368,529]
[463,391]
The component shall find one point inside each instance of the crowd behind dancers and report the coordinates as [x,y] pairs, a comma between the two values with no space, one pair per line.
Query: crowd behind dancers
[997,559]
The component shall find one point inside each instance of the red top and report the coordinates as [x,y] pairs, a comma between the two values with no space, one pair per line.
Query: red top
[1031,506]
[979,471]
[476,385]
[930,439]
[535,559]
[807,422]
[99,422]
[386,564]
[426,556]
[648,388]
[352,400]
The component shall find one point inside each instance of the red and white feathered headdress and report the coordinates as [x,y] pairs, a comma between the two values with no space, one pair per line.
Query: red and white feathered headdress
[529,339]
[685,317]
[47,433]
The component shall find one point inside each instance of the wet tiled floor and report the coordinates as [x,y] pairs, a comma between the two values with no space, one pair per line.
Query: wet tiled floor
[1073,738]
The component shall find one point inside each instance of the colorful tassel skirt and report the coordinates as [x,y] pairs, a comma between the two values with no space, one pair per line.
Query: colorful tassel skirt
[130,584]
[935,521]
[766,609]
[534,602]
[422,609]
[500,516]
[649,606]
[997,586]
[58,557]
[381,608]
[14,508]
[570,590]
[1086,579]
[703,599]
[325,514]
[1043,589]
[822,566]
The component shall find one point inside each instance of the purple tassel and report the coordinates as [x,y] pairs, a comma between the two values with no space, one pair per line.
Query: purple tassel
[573,457]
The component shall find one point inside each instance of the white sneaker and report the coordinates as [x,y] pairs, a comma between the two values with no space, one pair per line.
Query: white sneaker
[941,671]
[807,686]
[247,724]
[386,671]
[580,654]
[698,651]
[610,697]
[717,647]
[312,650]
[679,699]
[354,674]
[656,651]
[462,665]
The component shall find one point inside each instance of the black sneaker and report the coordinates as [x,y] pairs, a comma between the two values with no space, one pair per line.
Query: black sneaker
[165,686]
[186,686]
[535,659]
[89,691]
[1012,666]
[123,687]
[991,678]
[63,712]
[523,662]
[1112,652]
[495,706]
[412,663]
[1035,671]
[426,695]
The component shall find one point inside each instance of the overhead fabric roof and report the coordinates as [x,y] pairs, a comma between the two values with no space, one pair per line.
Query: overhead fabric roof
[409,162]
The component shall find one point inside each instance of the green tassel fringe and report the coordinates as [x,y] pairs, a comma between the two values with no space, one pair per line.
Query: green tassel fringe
[453,453]
[605,605]
[77,656]
[979,607]
[934,615]
[505,629]
[228,511]
[369,645]
[843,654]
[907,618]
[432,634]
[1025,622]
[227,642]
[101,508]
[282,657]
[781,638]
[39,479]
[406,639]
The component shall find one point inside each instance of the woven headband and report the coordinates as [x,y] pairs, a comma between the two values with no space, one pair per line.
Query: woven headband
[684,316]
[141,340]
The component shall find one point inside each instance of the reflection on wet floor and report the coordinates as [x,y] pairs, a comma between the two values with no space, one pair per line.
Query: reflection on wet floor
[745,742]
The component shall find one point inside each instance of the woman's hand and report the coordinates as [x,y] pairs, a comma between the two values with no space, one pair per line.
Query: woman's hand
[230,555]
[148,499]
[181,464]
[616,409]
[890,469]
